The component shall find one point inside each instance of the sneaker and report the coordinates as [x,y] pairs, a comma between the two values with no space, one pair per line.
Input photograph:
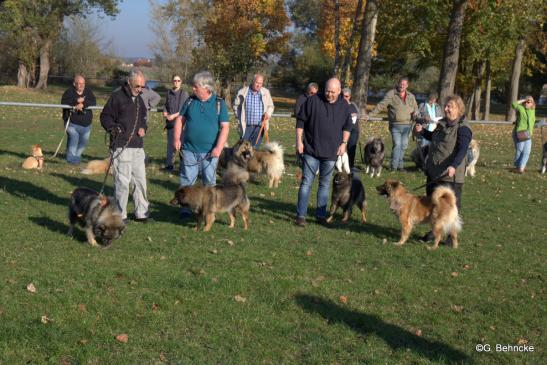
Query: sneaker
[145,220]
[300,221]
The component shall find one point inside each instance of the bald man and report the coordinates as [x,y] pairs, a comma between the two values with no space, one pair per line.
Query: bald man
[323,127]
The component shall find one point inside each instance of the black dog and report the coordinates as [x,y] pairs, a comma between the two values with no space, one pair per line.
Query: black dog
[418,157]
[374,156]
[98,214]
[347,190]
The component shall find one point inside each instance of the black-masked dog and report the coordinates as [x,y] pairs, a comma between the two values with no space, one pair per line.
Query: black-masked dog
[374,156]
[269,162]
[440,211]
[206,201]
[99,215]
[419,156]
[347,190]
[239,155]
[544,159]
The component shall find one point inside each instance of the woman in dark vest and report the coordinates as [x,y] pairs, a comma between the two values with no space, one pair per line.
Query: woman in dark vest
[446,160]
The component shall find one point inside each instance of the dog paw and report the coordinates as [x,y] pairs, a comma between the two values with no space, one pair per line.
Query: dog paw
[432,248]
[398,243]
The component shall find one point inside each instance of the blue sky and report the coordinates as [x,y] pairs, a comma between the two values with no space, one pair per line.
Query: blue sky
[130,32]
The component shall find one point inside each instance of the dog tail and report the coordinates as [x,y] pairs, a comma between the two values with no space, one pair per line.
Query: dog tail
[277,150]
[453,220]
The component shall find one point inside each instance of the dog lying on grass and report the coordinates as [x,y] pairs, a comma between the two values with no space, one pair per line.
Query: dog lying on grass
[96,167]
[440,211]
[36,161]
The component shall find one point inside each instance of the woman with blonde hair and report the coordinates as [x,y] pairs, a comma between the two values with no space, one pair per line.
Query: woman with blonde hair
[523,131]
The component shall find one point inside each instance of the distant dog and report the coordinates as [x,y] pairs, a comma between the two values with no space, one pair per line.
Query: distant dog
[239,154]
[96,167]
[473,154]
[544,160]
[98,214]
[347,190]
[440,211]
[268,161]
[420,157]
[342,163]
[374,156]
[206,201]
[36,161]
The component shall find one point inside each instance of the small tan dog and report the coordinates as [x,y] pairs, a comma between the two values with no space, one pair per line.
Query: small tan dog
[440,211]
[96,167]
[36,161]
[475,151]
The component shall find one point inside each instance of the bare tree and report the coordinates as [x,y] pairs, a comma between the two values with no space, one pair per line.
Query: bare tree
[364,59]
[336,37]
[449,69]
[479,69]
[488,91]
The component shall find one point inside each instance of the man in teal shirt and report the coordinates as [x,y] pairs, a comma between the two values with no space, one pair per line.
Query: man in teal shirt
[205,122]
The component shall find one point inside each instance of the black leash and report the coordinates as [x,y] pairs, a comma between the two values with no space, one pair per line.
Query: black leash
[432,181]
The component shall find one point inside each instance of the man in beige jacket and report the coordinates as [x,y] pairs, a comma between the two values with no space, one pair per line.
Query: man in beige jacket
[401,107]
[253,107]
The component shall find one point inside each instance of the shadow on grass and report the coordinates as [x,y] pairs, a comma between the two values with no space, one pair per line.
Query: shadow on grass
[367,324]
[81,181]
[166,184]
[60,158]
[61,228]
[23,189]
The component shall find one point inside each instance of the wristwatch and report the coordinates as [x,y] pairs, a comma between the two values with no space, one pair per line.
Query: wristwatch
[345,142]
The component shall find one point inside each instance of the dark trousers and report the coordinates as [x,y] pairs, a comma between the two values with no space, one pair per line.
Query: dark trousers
[456,188]
[352,146]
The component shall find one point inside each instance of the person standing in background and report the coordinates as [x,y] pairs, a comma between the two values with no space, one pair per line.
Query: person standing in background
[175,98]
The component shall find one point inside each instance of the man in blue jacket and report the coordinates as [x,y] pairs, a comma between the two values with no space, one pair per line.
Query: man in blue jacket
[323,127]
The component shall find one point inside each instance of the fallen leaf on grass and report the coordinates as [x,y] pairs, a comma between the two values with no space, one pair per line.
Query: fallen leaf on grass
[418,333]
[45,319]
[31,288]
[309,252]
[343,299]
[493,328]
[155,307]
[162,357]
[83,341]
[467,266]
[522,341]
[149,239]
[213,251]
[81,307]
[457,308]
[123,338]
[455,274]
[238,298]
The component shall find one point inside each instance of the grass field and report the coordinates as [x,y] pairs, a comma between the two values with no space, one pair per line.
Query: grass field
[277,293]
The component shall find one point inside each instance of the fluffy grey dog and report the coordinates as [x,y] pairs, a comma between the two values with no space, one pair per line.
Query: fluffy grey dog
[374,156]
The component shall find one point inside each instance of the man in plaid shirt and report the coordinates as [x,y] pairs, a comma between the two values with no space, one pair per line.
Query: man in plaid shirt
[253,107]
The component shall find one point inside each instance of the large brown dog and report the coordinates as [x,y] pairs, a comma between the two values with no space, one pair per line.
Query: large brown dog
[206,201]
[440,211]
[269,162]
[36,161]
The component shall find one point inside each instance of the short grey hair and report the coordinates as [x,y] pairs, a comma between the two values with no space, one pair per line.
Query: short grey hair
[346,90]
[134,73]
[312,85]
[204,79]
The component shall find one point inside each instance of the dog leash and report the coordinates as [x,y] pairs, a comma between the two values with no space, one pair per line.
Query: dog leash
[432,181]
[263,128]
[62,138]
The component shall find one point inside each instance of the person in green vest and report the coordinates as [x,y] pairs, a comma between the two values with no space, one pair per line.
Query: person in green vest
[526,118]
[448,146]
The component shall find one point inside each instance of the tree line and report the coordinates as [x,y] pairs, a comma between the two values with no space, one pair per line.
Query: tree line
[477,48]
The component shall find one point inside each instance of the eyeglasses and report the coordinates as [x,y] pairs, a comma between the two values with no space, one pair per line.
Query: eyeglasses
[176,80]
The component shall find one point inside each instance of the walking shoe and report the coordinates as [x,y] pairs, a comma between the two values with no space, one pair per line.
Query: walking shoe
[300,221]
[145,220]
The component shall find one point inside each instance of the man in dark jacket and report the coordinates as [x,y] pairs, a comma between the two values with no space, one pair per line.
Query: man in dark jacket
[79,128]
[124,117]
[312,89]
[173,103]
[323,128]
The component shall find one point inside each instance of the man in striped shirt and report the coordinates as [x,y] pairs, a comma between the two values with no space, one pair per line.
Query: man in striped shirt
[253,107]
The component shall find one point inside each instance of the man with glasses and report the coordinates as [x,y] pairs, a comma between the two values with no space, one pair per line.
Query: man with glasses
[253,107]
[124,117]
[174,100]
[204,121]
[78,131]
[323,126]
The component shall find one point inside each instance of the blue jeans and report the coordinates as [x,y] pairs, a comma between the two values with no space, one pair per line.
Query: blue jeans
[399,135]
[310,165]
[522,151]
[77,138]
[194,164]
[251,134]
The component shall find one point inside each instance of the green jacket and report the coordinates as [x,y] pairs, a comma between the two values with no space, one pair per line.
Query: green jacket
[398,112]
[526,118]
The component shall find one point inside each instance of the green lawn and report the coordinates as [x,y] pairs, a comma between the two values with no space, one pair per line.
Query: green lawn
[273,294]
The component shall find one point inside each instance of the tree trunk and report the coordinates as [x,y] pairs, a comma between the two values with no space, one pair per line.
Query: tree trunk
[347,58]
[479,68]
[44,65]
[488,91]
[226,93]
[22,75]
[449,68]
[337,37]
[515,77]
[469,106]
[364,59]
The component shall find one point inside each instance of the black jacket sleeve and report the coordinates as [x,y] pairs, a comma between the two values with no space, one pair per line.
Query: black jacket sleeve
[109,115]
[90,99]
[462,144]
